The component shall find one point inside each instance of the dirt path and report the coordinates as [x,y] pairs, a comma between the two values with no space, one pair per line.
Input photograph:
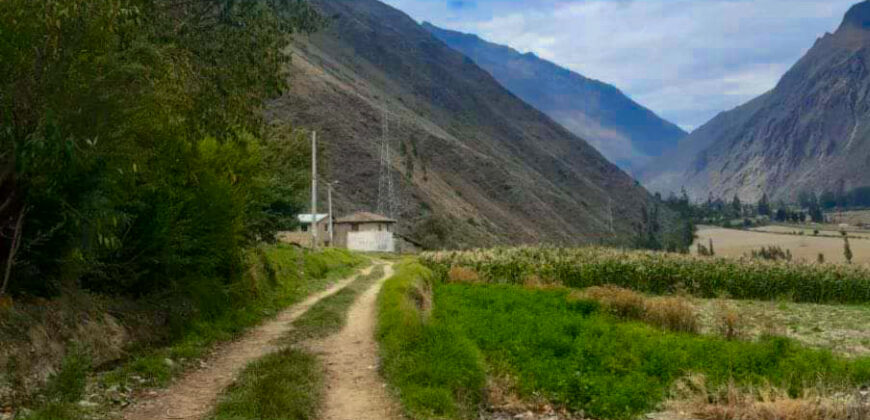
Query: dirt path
[355,390]
[193,396]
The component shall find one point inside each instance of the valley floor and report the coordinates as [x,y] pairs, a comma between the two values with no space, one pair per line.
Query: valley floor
[737,243]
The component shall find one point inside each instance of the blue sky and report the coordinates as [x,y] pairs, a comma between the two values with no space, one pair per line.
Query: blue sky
[687,60]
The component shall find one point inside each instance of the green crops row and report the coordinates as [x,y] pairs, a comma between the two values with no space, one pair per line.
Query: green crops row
[661,273]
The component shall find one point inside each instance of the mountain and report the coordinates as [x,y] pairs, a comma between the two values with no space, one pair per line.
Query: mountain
[473,164]
[810,133]
[621,129]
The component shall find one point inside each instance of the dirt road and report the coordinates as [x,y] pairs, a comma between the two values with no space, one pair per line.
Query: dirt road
[194,395]
[355,391]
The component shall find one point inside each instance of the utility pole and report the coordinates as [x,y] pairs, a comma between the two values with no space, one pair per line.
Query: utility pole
[313,225]
[329,199]
[610,210]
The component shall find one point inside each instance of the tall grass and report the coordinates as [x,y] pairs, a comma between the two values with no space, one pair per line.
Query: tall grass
[661,273]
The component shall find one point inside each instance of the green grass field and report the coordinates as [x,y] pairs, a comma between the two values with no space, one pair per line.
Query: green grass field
[568,352]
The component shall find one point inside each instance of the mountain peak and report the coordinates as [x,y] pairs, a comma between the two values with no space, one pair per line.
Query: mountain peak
[858,16]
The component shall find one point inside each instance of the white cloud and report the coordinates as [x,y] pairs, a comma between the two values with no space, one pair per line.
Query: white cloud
[685,59]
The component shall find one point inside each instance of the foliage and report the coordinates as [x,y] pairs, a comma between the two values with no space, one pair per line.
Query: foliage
[133,149]
[68,384]
[562,350]
[436,371]
[661,273]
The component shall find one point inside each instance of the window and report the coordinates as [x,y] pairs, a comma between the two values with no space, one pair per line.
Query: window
[305,228]
[354,227]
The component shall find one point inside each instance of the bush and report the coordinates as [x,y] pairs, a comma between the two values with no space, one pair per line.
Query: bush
[68,384]
[671,313]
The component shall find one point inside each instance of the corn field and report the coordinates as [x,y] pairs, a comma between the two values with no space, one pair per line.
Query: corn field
[661,273]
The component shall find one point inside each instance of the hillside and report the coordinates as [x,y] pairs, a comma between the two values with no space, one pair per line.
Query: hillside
[474,164]
[810,133]
[624,131]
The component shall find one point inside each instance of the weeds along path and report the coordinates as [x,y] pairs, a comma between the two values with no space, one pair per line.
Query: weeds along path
[193,396]
[354,389]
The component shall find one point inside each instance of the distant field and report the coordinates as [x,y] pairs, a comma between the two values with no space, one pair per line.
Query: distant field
[824,230]
[737,243]
[852,217]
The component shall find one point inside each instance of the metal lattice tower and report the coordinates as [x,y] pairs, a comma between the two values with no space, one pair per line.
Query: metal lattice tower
[387,202]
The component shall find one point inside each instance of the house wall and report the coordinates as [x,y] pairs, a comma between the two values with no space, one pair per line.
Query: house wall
[342,230]
[371,241]
[303,237]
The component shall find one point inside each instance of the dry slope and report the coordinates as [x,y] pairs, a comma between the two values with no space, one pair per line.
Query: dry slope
[475,165]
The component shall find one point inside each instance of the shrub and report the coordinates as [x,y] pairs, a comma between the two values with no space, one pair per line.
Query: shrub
[68,384]
[728,321]
[771,253]
[459,274]
[672,313]
[618,301]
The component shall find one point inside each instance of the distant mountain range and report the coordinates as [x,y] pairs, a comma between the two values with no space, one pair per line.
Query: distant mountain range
[621,129]
[474,164]
[810,133]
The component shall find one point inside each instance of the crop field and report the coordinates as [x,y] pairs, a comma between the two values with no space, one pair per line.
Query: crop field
[558,351]
[661,273]
[735,243]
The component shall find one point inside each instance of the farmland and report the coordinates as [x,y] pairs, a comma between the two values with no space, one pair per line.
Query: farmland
[806,247]
[507,315]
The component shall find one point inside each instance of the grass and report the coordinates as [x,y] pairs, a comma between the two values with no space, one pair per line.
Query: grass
[330,314]
[588,361]
[275,280]
[661,273]
[286,385]
[570,352]
[843,329]
[434,370]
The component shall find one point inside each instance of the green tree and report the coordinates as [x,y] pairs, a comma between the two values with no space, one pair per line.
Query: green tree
[764,206]
[133,150]
[736,207]
[847,250]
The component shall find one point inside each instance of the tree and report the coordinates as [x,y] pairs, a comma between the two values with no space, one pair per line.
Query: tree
[736,206]
[847,250]
[764,206]
[133,151]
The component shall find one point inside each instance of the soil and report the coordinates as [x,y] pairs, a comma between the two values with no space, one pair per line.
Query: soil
[355,390]
[194,395]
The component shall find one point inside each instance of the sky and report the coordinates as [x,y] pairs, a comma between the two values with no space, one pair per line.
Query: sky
[687,60]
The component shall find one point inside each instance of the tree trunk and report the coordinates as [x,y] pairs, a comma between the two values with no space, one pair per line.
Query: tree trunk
[13,249]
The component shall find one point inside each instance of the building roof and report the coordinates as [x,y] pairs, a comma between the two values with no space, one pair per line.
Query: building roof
[305,218]
[364,217]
